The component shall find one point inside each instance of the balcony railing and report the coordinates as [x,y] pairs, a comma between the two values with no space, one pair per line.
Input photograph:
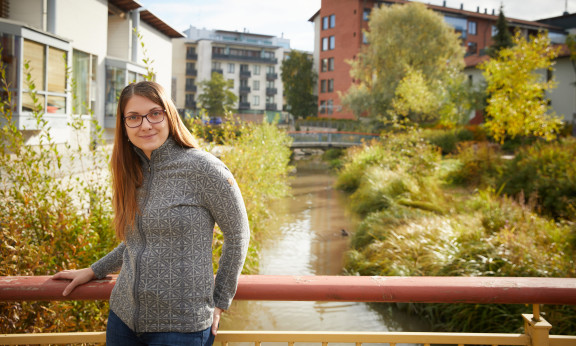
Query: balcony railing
[246,58]
[271,76]
[271,107]
[271,91]
[473,290]
[191,72]
[191,88]
[245,74]
[218,70]
[191,56]
[243,105]
[244,89]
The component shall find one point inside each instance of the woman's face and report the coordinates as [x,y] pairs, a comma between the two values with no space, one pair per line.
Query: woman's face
[147,136]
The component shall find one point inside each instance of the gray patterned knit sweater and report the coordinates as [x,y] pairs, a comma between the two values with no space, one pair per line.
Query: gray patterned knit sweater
[166,282]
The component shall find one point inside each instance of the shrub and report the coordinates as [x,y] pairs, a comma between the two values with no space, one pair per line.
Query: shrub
[480,165]
[547,173]
[56,215]
[447,140]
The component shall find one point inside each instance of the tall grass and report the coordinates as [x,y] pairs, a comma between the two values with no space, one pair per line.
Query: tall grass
[413,225]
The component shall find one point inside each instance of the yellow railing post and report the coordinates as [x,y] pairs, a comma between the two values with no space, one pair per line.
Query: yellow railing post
[537,328]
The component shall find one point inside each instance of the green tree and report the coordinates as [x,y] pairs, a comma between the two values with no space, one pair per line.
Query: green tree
[216,97]
[517,105]
[299,78]
[503,38]
[404,39]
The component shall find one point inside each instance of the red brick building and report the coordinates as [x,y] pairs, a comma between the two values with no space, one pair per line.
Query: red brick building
[339,26]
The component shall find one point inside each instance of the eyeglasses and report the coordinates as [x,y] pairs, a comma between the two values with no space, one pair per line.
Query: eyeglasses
[155,116]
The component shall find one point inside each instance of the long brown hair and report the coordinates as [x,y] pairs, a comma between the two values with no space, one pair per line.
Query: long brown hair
[125,164]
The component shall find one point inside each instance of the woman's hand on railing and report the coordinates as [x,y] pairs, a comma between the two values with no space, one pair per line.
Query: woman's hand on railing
[78,278]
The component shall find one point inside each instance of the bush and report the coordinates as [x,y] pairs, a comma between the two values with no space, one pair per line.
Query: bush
[447,140]
[480,165]
[545,172]
[56,215]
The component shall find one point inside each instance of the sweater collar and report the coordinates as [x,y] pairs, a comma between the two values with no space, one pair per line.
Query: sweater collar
[162,153]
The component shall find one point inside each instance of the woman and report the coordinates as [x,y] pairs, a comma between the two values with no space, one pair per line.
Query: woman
[167,196]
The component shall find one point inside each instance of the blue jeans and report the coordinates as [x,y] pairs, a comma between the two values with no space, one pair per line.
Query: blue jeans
[119,334]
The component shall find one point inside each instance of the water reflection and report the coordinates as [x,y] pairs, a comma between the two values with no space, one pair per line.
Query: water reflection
[306,238]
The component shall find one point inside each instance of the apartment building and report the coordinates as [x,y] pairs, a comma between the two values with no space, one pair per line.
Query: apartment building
[96,40]
[251,61]
[339,27]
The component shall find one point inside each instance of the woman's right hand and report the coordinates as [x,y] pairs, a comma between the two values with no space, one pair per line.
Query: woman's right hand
[78,278]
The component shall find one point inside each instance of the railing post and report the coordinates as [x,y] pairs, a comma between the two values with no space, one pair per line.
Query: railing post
[537,328]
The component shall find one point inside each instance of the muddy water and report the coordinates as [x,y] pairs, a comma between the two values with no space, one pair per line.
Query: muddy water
[308,237]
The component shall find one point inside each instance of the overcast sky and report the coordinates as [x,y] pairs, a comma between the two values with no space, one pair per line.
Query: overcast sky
[290,18]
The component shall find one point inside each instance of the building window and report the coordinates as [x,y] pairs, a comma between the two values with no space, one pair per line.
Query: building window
[270,69]
[48,71]
[472,48]
[325,23]
[216,65]
[189,101]
[364,38]
[84,67]
[270,84]
[472,28]
[494,30]
[332,42]
[330,64]
[330,85]
[230,68]
[191,53]
[329,106]
[366,14]
[269,99]
[332,20]
[325,43]
[323,86]
[256,100]
[322,107]
[256,85]
[324,65]
[256,70]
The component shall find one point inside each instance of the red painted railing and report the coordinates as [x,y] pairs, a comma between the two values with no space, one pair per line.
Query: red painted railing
[482,290]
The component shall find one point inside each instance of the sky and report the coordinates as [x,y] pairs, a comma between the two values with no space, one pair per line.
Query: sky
[289,19]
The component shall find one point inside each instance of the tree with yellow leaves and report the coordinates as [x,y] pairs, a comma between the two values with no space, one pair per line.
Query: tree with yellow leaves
[517,103]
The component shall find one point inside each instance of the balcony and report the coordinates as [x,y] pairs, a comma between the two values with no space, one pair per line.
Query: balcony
[191,72]
[246,58]
[217,70]
[449,290]
[190,104]
[191,56]
[244,90]
[191,88]
[271,91]
[271,76]
[271,107]
[243,106]
[245,74]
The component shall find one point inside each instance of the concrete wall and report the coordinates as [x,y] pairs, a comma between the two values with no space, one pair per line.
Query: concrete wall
[159,50]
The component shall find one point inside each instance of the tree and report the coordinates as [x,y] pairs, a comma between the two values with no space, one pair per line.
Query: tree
[299,79]
[503,38]
[216,97]
[407,44]
[517,104]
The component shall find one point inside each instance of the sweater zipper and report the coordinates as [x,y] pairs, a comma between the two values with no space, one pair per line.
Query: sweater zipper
[139,256]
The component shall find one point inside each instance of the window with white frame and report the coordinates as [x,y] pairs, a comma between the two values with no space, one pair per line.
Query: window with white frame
[84,66]
[256,100]
[256,85]
[47,68]
[256,70]
[231,68]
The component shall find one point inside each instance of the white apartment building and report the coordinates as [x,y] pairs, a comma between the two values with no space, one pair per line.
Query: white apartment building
[96,40]
[251,61]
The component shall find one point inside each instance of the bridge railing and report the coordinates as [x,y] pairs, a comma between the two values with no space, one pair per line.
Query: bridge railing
[474,290]
[329,138]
